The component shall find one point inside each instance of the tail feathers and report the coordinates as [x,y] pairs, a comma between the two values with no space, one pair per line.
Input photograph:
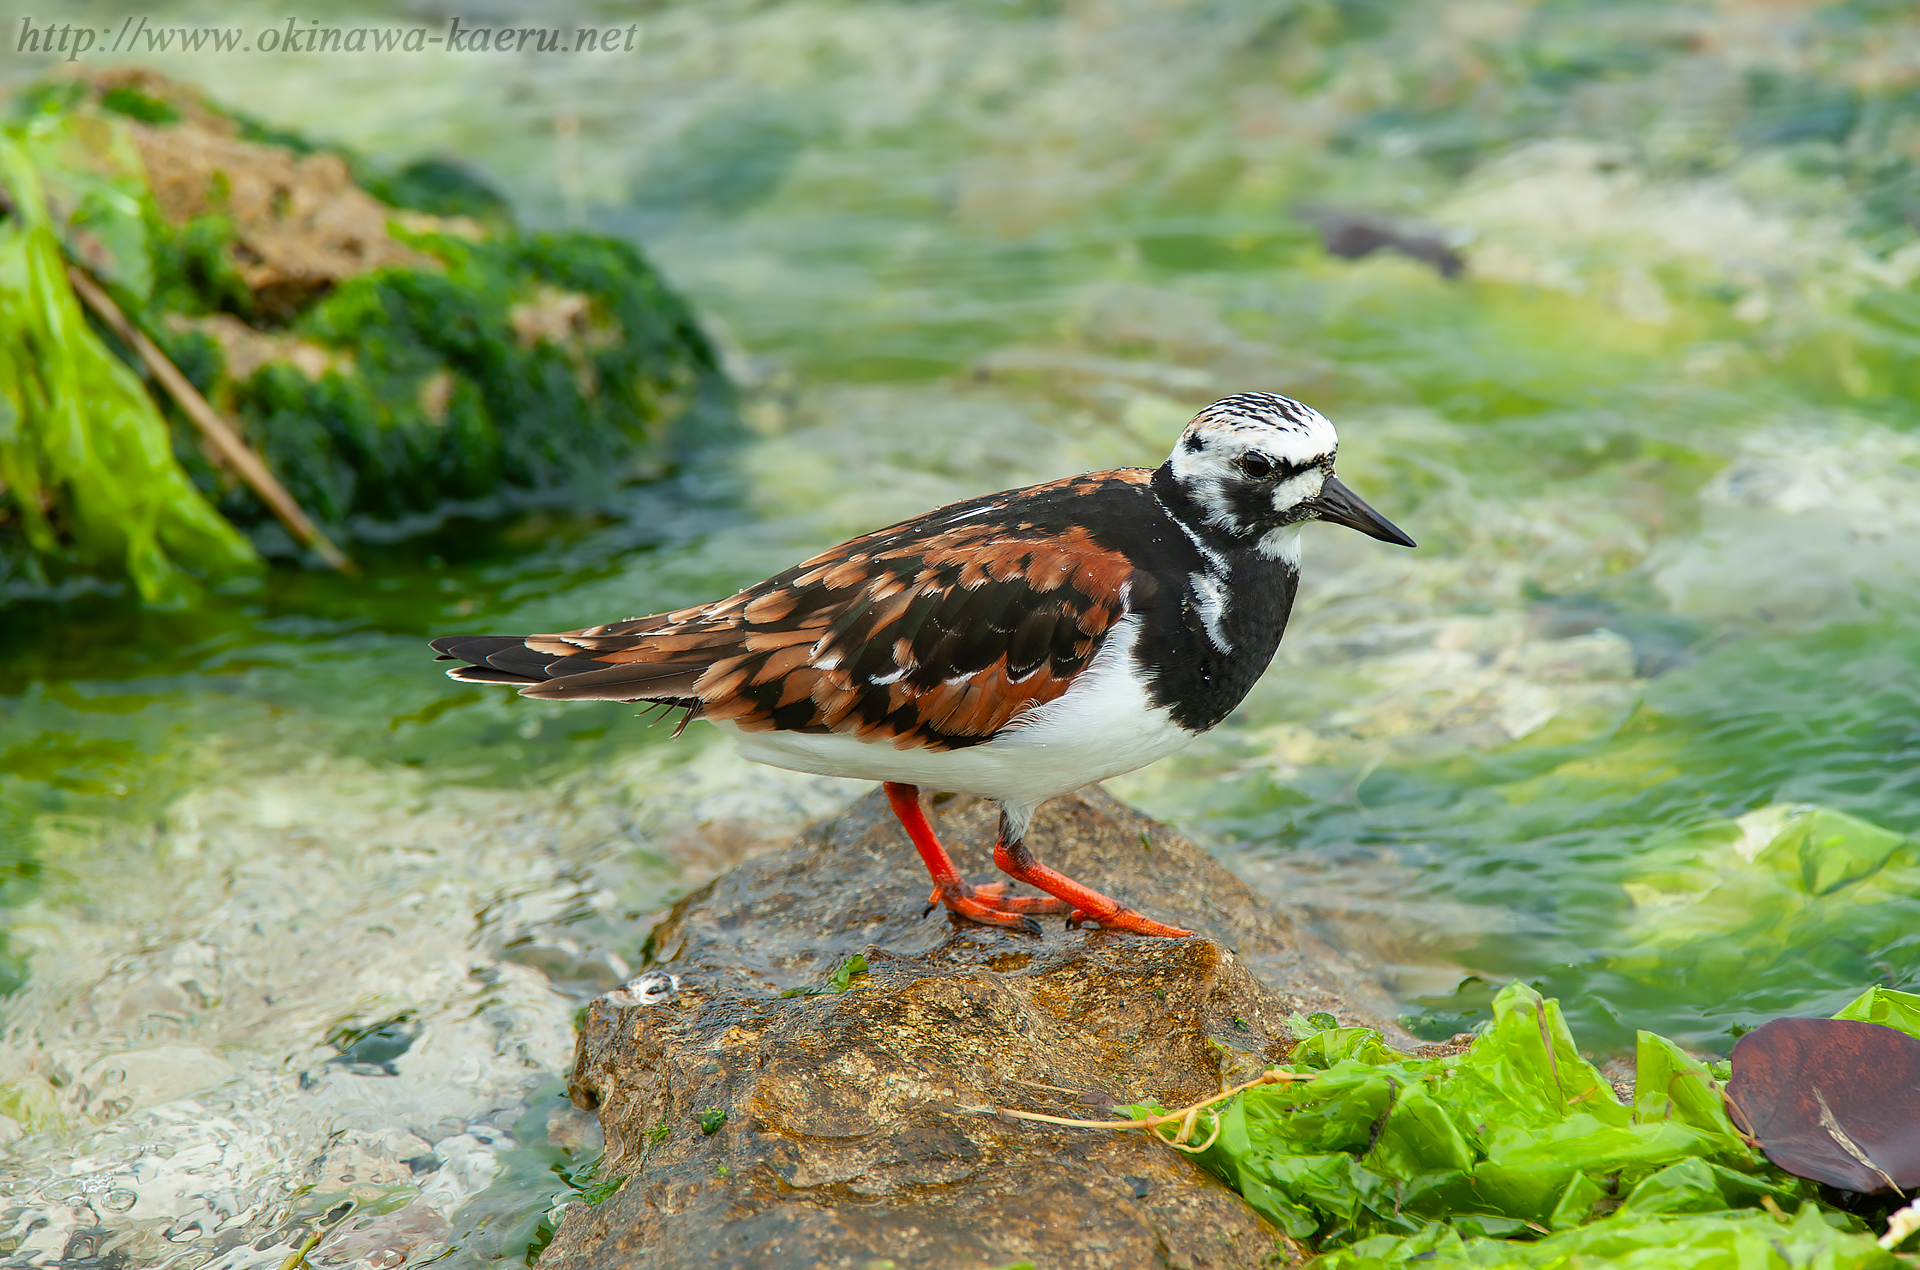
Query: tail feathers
[484,675]
[630,681]
[508,659]
[473,648]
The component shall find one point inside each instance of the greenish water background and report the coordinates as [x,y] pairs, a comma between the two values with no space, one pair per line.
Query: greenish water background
[1639,722]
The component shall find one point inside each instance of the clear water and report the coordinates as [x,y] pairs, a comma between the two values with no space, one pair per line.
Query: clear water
[1639,722]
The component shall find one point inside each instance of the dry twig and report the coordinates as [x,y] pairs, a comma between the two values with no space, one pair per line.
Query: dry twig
[227,443]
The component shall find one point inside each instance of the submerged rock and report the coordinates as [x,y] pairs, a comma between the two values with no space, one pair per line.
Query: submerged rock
[859,1127]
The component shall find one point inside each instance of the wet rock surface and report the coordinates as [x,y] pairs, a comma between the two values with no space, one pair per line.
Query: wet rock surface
[860,1128]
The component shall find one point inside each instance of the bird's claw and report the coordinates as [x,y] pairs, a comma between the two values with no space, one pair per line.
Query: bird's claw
[989,904]
[1126,919]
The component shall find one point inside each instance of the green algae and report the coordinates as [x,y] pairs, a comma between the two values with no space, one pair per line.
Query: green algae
[839,981]
[1698,1237]
[549,366]
[86,460]
[1519,1152]
[445,401]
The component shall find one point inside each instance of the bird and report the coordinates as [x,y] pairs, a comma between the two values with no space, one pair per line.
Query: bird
[1017,646]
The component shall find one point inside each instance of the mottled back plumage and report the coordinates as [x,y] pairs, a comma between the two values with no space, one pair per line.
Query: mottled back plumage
[937,631]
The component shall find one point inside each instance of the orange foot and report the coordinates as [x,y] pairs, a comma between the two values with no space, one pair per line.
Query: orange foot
[1127,919]
[988,902]
[1088,905]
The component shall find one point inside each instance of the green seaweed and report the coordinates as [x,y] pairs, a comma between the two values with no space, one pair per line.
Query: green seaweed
[839,981]
[1883,1005]
[433,395]
[93,190]
[441,188]
[1814,1238]
[548,366]
[194,274]
[1385,1158]
[87,461]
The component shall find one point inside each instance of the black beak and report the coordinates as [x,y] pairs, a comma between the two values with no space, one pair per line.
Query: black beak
[1342,506]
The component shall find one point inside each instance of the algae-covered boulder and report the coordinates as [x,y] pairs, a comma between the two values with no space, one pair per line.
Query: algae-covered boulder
[389,341]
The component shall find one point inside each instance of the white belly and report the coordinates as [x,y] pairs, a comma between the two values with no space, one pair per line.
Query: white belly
[1100,727]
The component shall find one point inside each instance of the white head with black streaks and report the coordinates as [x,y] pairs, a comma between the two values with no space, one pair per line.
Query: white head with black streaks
[1255,462]
[1256,467]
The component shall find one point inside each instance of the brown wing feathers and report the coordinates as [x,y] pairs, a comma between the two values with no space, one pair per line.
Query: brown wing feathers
[920,634]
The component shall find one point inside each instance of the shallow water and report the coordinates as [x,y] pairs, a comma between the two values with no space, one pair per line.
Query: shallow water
[1637,722]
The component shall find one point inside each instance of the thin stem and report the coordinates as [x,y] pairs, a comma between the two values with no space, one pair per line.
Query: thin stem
[1273,1076]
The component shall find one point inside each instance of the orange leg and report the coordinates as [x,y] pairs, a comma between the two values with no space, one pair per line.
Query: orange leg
[985,903]
[1015,860]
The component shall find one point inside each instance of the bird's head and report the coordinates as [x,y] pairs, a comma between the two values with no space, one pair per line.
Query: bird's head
[1257,462]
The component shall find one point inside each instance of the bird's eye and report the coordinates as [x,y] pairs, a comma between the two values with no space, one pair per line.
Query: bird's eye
[1256,465]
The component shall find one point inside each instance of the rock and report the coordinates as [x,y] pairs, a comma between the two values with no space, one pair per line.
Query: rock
[1353,236]
[860,1129]
[300,223]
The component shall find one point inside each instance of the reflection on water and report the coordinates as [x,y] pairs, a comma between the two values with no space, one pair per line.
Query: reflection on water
[299,923]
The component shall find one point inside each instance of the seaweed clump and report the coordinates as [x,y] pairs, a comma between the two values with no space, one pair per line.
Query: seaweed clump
[391,344]
[1512,1150]
[88,480]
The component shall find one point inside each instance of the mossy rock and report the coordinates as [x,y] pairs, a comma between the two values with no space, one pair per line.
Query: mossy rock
[547,363]
[389,341]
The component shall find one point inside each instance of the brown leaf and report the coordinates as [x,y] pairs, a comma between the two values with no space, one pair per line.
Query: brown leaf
[1834,1100]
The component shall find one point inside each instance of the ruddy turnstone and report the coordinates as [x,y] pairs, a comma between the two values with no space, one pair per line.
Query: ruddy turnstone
[1017,646]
